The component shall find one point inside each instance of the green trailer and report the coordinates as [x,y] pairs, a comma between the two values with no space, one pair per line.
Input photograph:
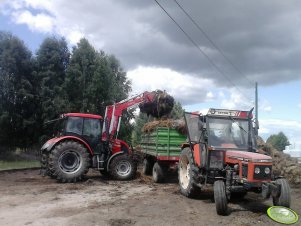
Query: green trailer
[161,149]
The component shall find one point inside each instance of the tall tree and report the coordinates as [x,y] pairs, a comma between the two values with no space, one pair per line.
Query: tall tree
[94,79]
[177,111]
[278,141]
[18,93]
[52,60]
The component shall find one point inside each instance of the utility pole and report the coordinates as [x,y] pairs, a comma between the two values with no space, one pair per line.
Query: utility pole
[256,101]
[256,107]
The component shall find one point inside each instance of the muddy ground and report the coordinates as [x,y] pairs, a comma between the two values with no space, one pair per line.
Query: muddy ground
[27,198]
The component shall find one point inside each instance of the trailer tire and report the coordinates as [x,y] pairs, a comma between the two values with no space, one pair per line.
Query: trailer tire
[158,173]
[69,161]
[123,167]
[284,198]
[187,175]
[147,166]
[220,197]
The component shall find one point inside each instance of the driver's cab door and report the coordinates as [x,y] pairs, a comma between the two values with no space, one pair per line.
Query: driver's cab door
[92,133]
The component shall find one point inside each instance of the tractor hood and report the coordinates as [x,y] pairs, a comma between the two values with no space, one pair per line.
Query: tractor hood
[247,156]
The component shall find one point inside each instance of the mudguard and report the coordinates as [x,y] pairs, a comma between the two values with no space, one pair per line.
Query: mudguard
[52,142]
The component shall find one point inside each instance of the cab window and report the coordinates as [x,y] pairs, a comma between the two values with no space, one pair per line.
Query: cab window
[92,127]
[74,125]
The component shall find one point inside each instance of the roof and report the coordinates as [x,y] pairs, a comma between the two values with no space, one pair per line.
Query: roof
[83,115]
[227,113]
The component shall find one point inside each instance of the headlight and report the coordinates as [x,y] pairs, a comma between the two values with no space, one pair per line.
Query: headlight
[267,170]
[257,170]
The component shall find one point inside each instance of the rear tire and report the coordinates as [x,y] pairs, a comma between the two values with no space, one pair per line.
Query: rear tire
[220,198]
[123,167]
[284,198]
[186,174]
[69,161]
[147,166]
[158,173]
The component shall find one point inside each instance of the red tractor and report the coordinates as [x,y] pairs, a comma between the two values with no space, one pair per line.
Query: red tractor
[222,151]
[86,141]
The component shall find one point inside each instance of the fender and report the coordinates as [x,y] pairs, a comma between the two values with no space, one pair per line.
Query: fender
[118,153]
[52,142]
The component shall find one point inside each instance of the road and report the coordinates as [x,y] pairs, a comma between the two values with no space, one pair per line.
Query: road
[27,198]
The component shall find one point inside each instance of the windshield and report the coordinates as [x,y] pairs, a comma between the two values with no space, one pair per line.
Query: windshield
[228,133]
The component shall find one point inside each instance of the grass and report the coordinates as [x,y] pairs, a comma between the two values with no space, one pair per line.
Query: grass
[22,164]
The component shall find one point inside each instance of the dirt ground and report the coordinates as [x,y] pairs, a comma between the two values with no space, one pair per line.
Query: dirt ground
[27,198]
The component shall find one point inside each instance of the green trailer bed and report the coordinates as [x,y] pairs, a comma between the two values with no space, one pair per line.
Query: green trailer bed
[163,144]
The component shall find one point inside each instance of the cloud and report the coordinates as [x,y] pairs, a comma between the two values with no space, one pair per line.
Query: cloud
[184,88]
[39,22]
[265,106]
[263,42]
[236,99]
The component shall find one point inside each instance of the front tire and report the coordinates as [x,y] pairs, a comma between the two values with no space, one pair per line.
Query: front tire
[220,198]
[123,167]
[69,161]
[186,174]
[284,198]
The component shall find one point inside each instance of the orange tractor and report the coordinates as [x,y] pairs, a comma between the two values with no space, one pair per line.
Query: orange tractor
[84,141]
[221,150]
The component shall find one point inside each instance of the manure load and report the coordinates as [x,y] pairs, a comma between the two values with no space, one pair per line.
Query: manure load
[161,105]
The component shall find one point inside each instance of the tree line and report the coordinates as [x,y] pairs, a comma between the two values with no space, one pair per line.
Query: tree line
[36,88]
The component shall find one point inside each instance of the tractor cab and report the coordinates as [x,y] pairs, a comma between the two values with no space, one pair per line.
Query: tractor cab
[86,127]
[222,130]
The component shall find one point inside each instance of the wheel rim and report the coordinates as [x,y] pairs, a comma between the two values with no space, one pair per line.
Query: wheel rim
[123,168]
[70,162]
[184,173]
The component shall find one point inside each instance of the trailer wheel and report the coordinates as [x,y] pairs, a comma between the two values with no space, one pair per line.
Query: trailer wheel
[158,173]
[147,166]
[69,161]
[284,198]
[186,174]
[220,197]
[123,167]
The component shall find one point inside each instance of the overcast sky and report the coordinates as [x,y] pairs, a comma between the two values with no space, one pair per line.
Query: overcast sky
[261,38]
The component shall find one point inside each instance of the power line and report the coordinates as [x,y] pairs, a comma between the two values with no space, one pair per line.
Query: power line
[212,43]
[199,49]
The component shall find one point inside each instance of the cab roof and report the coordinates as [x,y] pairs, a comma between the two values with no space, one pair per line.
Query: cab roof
[82,115]
[227,113]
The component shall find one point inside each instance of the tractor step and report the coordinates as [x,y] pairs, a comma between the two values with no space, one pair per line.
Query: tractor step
[100,163]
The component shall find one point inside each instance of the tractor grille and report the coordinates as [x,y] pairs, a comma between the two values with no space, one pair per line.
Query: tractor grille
[244,171]
[262,175]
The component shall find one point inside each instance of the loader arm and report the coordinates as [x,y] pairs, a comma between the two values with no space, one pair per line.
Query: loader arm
[113,113]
